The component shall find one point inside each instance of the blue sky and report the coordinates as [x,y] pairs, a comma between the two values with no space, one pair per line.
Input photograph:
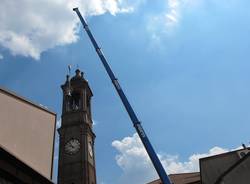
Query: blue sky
[183,64]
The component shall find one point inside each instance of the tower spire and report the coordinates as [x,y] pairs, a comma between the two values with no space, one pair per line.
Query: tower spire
[69,70]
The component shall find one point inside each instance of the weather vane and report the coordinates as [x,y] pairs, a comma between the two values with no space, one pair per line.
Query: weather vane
[69,68]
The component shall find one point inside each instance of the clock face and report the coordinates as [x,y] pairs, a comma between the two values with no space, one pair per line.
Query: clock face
[72,146]
[90,149]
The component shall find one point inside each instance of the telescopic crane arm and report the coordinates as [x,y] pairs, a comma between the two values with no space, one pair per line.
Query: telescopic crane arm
[154,158]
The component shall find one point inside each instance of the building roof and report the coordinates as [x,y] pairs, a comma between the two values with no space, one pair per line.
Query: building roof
[13,94]
[182,178]
[76,81]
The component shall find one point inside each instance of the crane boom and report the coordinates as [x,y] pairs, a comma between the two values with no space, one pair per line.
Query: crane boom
[137,124]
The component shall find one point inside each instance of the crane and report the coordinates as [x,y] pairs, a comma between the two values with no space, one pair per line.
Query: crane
[137,124]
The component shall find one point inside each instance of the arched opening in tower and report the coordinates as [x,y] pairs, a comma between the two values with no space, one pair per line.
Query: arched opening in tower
[75,101]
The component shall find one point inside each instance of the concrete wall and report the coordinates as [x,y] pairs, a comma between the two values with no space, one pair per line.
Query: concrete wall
[231,167]
[27,132]
[239,174]
[211,168]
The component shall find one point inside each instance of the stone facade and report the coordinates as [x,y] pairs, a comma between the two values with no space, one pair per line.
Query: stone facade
[76,148]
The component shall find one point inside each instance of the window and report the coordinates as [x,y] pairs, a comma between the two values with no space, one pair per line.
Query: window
[75,101]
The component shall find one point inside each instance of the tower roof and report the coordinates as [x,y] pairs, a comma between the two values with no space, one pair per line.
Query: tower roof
[77,81]
[78,76]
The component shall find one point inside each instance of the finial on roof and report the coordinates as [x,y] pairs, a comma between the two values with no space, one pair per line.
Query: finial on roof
[78,73]
[244,146]
[69,68]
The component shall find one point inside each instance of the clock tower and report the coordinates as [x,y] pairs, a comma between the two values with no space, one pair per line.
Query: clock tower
[76,148]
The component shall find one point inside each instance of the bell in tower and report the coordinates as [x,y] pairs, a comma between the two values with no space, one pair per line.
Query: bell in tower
[76,144]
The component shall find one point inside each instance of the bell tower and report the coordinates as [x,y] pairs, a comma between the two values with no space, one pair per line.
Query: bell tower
[76,148]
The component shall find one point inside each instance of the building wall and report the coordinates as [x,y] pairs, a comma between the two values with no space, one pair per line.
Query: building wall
[227,168]
[27,132]
[240,174]
[213,167]
[14,171]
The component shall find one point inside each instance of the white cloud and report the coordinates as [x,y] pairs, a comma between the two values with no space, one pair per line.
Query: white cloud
[56,151]
[172,14]
[1,56]
[175,8]
[58,123]
[95,122]
[165,22]
[137,167]
[133,160]
[30,27]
